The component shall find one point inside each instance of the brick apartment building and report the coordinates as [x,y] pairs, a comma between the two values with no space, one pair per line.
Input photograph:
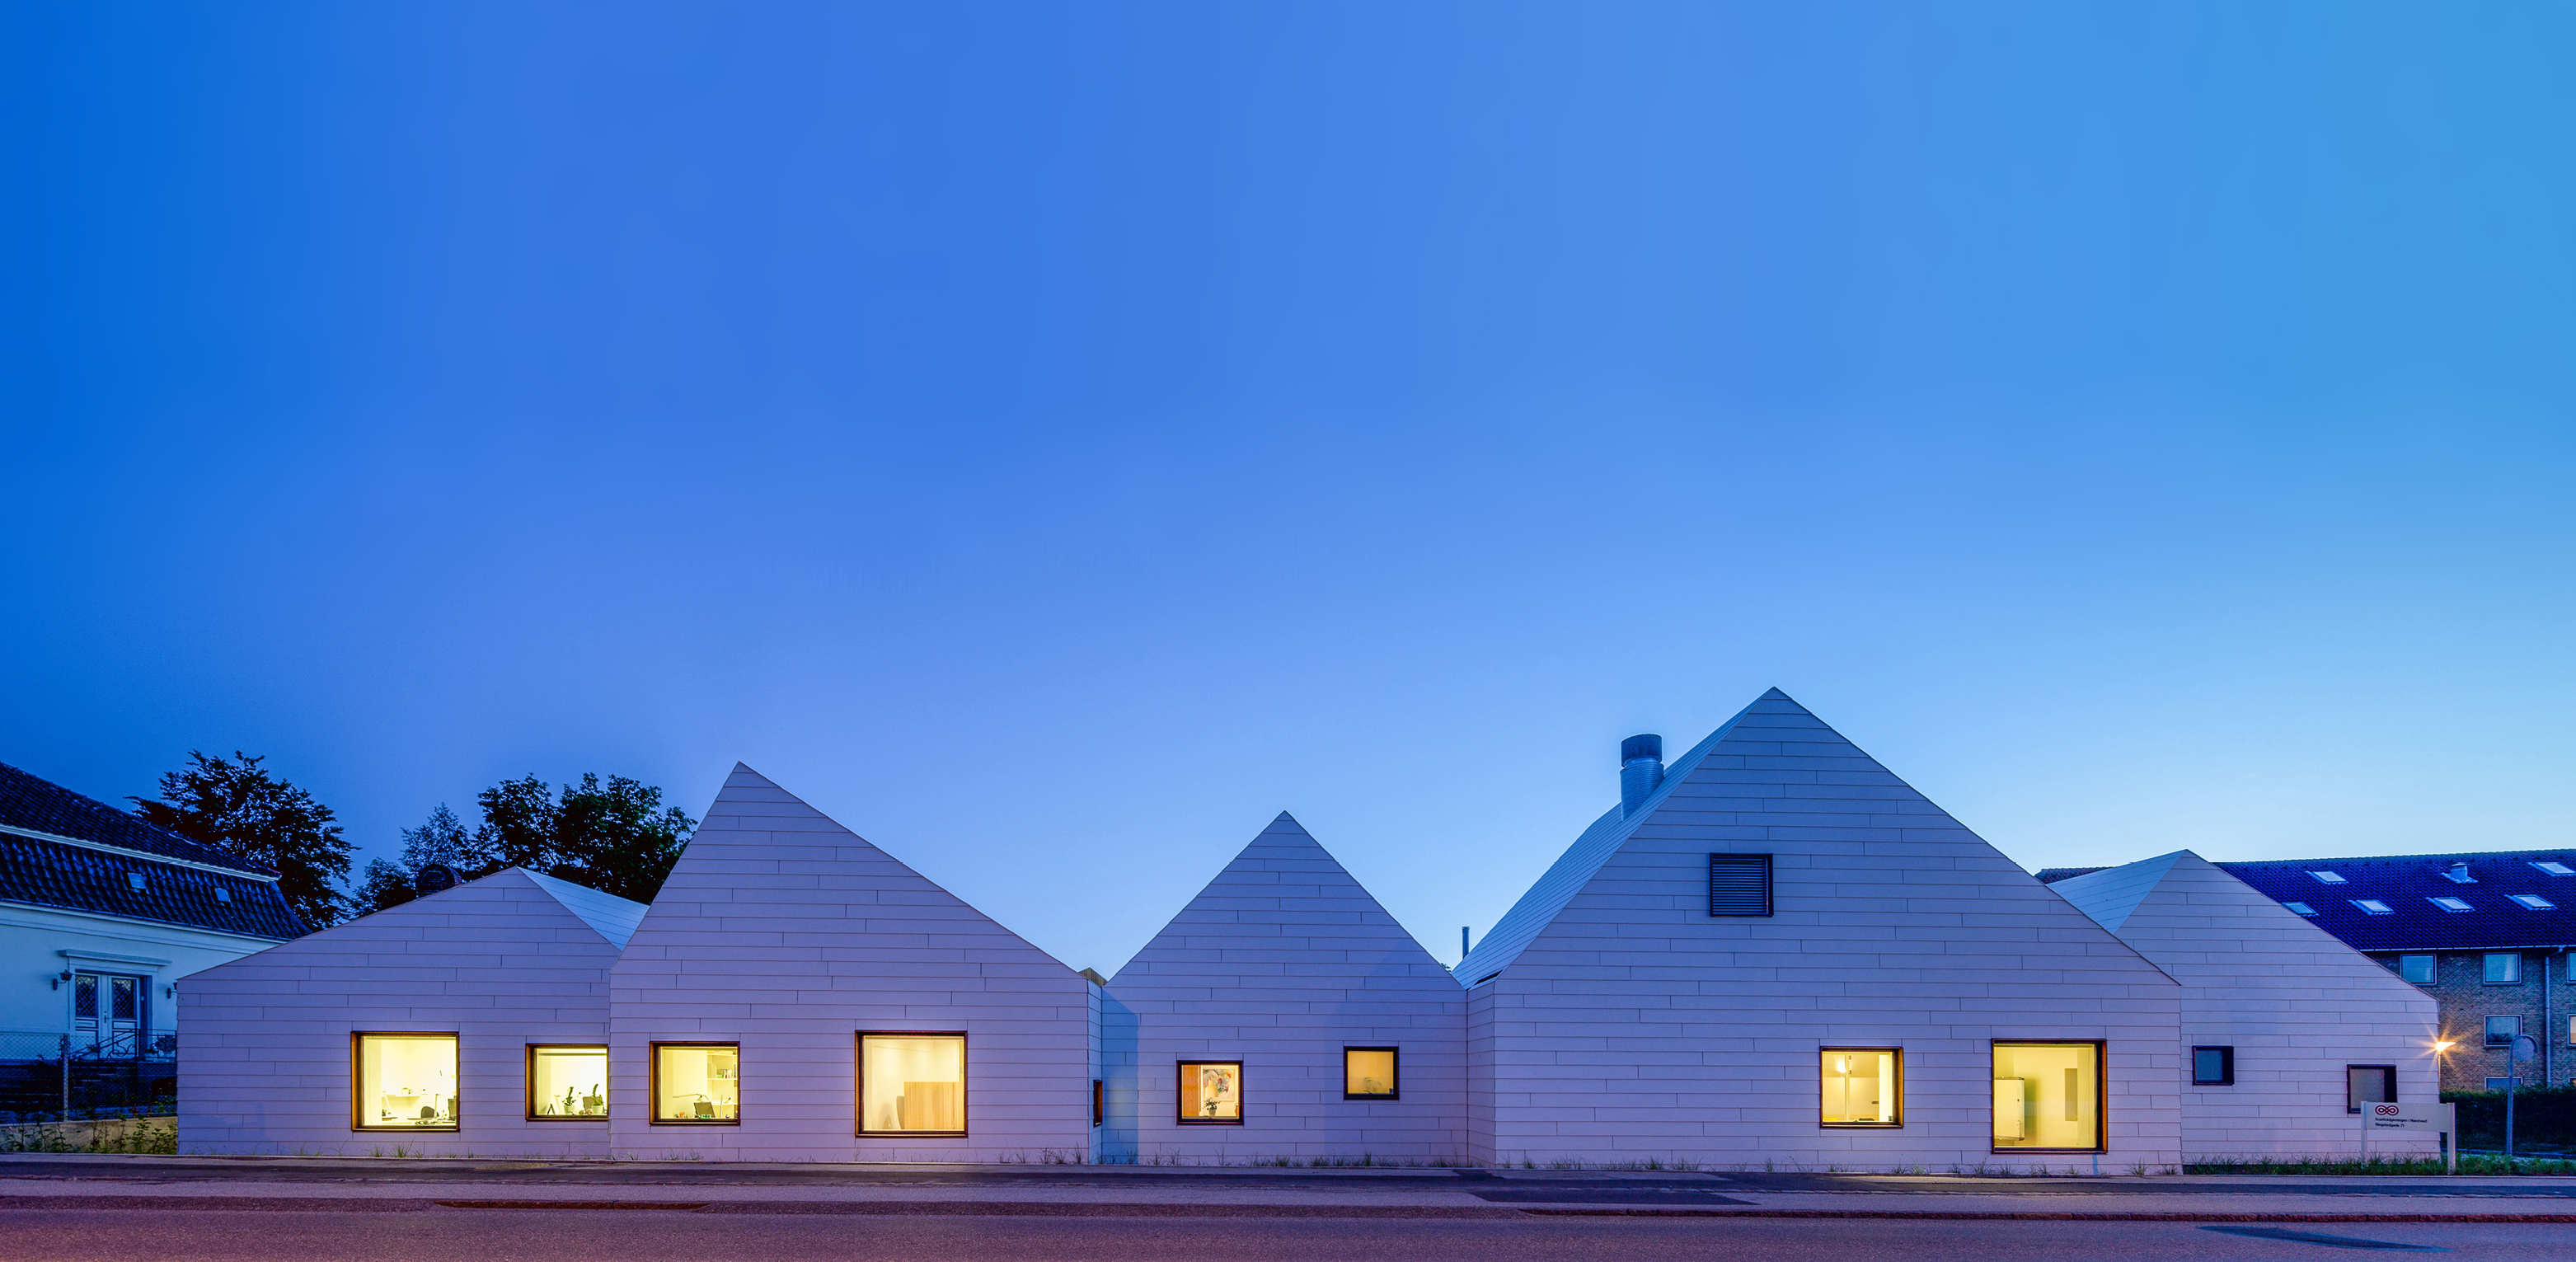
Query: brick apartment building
[2488,935]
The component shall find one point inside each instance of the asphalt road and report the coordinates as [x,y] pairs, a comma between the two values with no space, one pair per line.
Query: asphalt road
[632,1236]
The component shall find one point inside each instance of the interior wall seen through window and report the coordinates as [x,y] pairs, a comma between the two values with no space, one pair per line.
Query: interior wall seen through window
[1859,1086]
[912,1082]
[2048,1095]
[697,1083]
[1211,1091]
[407,1081]
[567,1082]
[1368,1071]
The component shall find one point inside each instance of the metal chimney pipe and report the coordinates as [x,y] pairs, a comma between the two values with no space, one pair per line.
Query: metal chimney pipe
[1641,768]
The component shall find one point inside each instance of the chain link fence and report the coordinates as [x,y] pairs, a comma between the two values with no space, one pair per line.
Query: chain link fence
[58,1077]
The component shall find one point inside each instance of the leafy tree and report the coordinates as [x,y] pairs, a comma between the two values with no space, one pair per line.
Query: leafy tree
[442,839]
[236,806]
[615,837]
[518,826]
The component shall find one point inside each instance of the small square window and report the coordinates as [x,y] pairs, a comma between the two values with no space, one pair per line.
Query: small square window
[2502,1031]
[912,1083]
[2301,908]
[2448,903]
[2503,968]
[567,1083]
[1368,1073]
[1862,1087]
[134,880]
[2418,969]
[2328,878]
[2370,905]
[2533,901]
[2213,1066]
[405,1082]
[2553,867]
[1211,1093]
[2369,1084]
[697,1084]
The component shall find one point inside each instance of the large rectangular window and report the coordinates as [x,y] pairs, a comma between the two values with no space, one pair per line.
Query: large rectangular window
[697,1084]
[2369,1084]
[1368,1073]
[2048,1095]
[2416,968]
[403,1082]
[1211,1093]
[912,1084]
[567,1083]
[1862,1086]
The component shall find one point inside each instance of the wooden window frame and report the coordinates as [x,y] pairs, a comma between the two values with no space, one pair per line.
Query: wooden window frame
[1898,1068]
[2101,1091]
[1097,1111]
[528,1081]
[357,1080]
[859,1083]
[1395,1057]
[1243,1089]
[653,1096]
[2227,1066]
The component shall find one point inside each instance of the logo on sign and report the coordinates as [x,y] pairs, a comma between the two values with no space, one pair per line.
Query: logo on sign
[2386,1110]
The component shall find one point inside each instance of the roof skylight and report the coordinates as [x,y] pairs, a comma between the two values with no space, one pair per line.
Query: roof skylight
[2553,867]
[2371,905]
[2448,903]
[2533,901]
[2301,908]
[2330,878]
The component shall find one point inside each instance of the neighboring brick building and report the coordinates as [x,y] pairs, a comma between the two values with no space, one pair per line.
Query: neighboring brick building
[2486,934]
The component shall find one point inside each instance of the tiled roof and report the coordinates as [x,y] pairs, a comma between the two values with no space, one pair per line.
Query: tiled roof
[53,874]
[60,874]
[34,803]
[2407,885]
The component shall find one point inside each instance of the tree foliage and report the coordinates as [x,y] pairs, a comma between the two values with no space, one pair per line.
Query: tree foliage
[236,806]
[615,837]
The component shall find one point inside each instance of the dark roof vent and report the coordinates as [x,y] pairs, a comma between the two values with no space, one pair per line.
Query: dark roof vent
[433,878]
[1641,768]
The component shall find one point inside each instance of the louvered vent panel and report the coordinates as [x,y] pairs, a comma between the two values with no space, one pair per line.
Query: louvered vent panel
[1739,885]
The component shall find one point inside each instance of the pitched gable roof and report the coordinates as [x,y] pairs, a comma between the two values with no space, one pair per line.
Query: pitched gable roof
[615,918]
[2407,886]
[765,863]
[1576,867]
[2196,921]
[32,804]
[2110,895]
[1283,900]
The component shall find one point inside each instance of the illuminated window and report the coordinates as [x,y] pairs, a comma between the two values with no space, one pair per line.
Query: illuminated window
[1368,1073]
[567,1084]
[2369,1084]
[405,1082]
[697,1084]
[2048,1096]
[1211,1093]
[1862,1086]
[912,1084]
[2504,968]
[2416,968]
[2213,1066]
[2448,903]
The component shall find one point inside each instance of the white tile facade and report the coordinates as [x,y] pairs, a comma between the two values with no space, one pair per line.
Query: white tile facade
[509,960]
[783,931]
[1631,1024]
[2296,1004]
[1282,962]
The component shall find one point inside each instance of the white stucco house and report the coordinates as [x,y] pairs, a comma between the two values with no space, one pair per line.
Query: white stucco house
[2286,1031]
[1772,950]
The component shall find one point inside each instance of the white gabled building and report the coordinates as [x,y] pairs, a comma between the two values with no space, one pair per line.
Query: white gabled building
[2286,1031]
[1775,950]
[795,994]
[1284,1013]
[455,1023]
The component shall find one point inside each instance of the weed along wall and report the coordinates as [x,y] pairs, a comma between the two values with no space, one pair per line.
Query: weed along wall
[1772,951]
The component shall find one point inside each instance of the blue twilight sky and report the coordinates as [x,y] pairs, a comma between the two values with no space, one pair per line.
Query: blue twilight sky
[1055,438]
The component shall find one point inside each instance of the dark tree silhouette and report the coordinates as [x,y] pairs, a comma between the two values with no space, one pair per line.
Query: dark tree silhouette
[236,806]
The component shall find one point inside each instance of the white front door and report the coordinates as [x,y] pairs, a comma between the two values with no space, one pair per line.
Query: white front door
[107,1009]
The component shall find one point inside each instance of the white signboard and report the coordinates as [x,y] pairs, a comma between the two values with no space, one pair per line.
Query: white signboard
[2411,1117]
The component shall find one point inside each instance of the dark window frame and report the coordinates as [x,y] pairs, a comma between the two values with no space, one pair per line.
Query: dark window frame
[1242,1088]
[1395,1084]
[1769,899]
[2515,980]
[2226,1065]
[528,1082]
[2101,1091]
[2398,966]
[1096,1110]
[357,1080]
[653,1100]
[1898,1068]
[2388,1078]
[2488,1029]
[859,1083]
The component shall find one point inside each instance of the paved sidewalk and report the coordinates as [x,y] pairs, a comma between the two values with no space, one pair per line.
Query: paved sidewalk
[54,1181]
